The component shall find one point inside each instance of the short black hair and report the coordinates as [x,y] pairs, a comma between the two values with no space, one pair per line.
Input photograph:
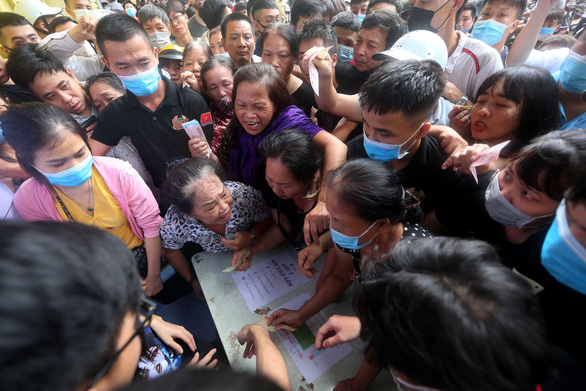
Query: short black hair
[12,19]
[346,20]
[239,7]
[389,23]
[58,21]
[397,3]
[296,150]
[306,9]
[107,78]
[333,8]
[555,14]
[150,11]
[28,60]
[552,163]
[410,87]
[577,193]
[535,90]
[262,5]
[352,2]
[119,27]
[59,339]
[235,17]
[470,7]
[319,29]
[520,5]
[212,12]
[559,41]
[442,311]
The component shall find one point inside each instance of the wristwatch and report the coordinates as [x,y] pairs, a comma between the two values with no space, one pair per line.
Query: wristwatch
[253,236]
[462,101]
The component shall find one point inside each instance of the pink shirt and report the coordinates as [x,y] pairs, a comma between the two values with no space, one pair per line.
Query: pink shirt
[34,202]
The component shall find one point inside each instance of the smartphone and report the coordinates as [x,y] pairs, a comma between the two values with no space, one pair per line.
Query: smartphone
[90,121]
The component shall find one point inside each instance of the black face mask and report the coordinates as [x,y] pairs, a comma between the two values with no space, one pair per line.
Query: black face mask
[420,19]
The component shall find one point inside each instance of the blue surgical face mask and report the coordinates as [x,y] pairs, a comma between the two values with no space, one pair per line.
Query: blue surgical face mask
[386,152]
[488,31]
[345,53]
[350,242]
[502,211]
[563,255]
[131,11]
[361,17]
[144,83]
[546,31]
[573,73]
[74,176]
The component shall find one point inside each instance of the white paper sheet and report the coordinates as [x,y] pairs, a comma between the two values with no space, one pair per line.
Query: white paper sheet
[269,280]
[311,362]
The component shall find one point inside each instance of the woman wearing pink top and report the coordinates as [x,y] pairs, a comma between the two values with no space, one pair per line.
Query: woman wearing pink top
[68,184]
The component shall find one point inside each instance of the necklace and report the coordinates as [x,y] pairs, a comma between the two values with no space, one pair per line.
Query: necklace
[89,197]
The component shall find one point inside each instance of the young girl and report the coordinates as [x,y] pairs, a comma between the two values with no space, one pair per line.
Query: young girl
[194,56]
[217,81]
[68,184]
[279,49]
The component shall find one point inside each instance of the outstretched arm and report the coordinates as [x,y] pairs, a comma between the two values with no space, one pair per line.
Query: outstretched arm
[527,38]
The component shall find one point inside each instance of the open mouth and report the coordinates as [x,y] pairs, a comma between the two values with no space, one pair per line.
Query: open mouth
[478,126]
[253,125]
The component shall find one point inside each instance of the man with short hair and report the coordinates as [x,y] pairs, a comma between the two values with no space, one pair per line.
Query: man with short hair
[264,13]
[15,31]
[238,39]
[213,13]
[153,108]
[498,17]
[38,14]
[346,25]
[77,8]
[358,8]
[156,23]
[470,61]
[467,18]
[306,10]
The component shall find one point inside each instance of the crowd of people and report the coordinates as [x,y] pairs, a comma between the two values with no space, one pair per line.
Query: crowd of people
[432,151]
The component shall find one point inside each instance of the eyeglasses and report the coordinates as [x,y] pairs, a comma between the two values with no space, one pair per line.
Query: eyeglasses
[269,20]
[176,19]
[146,309]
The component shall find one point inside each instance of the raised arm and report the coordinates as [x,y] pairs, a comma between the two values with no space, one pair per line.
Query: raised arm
[527,38]
[328,99]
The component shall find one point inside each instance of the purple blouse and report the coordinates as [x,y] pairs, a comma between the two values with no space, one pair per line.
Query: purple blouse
[246,161]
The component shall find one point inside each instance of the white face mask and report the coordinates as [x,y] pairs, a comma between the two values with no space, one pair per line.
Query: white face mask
[159,39]
[80,13]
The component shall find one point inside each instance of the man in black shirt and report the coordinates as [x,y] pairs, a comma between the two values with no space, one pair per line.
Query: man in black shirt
[153,108]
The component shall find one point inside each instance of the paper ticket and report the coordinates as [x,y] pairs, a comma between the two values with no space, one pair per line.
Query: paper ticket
[271,329]
[313,73]
[489,155]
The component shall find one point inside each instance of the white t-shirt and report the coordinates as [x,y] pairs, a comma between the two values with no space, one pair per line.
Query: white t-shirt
[7,209]
[549,59]
[472,62]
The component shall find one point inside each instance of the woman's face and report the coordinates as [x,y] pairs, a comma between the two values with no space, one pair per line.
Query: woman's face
[213,201]
[280,179]
[528,200]
[69,153]
[102,94]
[216,43]
[346,222]
[219,83]
[253,107]
[194,60]
[276,52]
[495,118]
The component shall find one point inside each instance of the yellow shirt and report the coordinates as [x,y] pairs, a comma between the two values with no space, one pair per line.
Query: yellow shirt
[108,215]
